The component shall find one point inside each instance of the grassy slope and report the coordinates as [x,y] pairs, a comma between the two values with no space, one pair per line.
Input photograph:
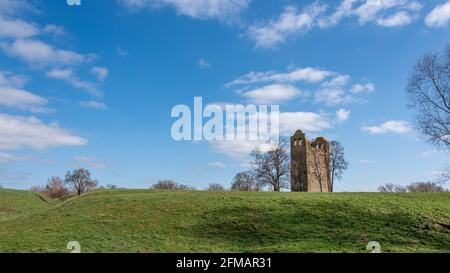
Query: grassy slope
[164,221]
[14,203]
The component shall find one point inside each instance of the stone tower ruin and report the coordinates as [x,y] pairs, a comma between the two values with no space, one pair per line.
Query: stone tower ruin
[309,164]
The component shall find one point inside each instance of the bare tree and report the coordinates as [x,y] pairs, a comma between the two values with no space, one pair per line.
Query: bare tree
[245,181]
[216,187]
[414,187]
[273,167]
[165,185]
[337,163]
[170,185]
[317,170]
[392,188]
[80,180]
[429,96]
[425,187]
[443,177]
[55,188]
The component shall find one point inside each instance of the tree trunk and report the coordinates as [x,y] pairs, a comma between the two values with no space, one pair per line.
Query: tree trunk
[276,187]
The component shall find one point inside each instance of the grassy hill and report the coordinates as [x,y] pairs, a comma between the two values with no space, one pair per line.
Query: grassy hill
[195,221]
[15,203]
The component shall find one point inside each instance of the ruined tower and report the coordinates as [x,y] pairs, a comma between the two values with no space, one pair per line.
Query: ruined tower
[309,164]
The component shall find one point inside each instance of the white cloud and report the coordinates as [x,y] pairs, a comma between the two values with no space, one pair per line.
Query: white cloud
[90,162]
[337,92]
[307,121]
[16,28]
[338,81]
[413,5]
[13,96]
[38,53]
[308,74]
[94,105]
[290,23]
[23,100]
[204,64]
[7,158]
[392,126]
[289,122]
[8,79]
[371,10]
[400,18]
[439,16]
[13,8]
[20,132]
[69,76]
[217,165]
[272,94]
[199,9]
[343,10]
[55,30]
[342,115]
[333,87]
[100,72]
[237,149]
[362,88]
[334,96]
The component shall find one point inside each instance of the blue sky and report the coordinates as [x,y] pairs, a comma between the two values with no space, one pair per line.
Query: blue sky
[93,85]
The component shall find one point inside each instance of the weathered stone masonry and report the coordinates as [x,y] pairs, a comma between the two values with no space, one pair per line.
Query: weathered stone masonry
[309,164]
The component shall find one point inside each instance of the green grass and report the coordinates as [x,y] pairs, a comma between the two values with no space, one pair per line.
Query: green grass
[195,221]
[14,203]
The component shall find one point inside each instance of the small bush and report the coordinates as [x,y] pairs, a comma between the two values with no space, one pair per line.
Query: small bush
[414,187]
[245,181]
[54,189]
[425,187]
[216,187]
[170,185]
[392,188]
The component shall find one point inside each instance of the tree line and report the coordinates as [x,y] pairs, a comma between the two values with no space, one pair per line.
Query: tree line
[414,187]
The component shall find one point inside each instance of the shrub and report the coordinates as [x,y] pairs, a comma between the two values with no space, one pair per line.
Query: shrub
[425,187]
[392,188]
[414,187]
[54,189]
[170,185]
[216,187]
[245,181]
